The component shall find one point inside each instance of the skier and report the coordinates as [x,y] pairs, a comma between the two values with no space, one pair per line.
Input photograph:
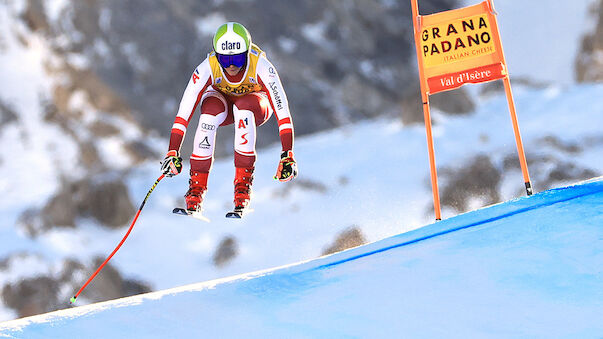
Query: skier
[235,84]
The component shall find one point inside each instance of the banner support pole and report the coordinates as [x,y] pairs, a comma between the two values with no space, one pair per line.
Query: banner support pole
[426,115]
[520,151]
[432,163]
[507,84]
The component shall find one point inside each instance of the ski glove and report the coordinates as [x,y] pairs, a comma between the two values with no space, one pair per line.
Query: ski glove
[287,167]
[172,164]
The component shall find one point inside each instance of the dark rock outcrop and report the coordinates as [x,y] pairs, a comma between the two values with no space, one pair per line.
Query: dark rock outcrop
[348,238]
[478,179]
[49,291]
[106,201]
[227,250]
[589,61]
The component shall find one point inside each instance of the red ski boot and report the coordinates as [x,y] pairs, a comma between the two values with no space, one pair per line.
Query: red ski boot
[242,190]
[196,191]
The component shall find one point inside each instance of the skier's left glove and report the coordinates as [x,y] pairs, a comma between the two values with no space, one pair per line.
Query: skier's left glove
[287,167]
[172,164]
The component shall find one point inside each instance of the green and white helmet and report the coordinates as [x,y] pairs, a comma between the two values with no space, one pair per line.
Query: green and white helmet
[232,38]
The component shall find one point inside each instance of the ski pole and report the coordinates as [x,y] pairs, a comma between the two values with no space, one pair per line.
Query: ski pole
[72,300]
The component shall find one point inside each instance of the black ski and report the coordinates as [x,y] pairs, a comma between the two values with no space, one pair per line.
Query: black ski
[237,213]
[196,215]
[180,211]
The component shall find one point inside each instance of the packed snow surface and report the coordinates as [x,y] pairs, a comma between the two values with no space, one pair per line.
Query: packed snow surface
[530,267]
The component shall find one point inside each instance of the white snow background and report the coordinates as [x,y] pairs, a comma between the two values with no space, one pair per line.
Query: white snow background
[371,174]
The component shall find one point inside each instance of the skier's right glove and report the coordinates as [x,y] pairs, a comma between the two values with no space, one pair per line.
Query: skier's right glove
[172,164]
[287,167]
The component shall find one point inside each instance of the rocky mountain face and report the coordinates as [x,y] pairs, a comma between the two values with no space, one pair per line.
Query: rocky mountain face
[589,62]
[338,62]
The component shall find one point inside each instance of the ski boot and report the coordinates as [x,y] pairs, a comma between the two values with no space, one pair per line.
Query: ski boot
[196,192]
[242,190]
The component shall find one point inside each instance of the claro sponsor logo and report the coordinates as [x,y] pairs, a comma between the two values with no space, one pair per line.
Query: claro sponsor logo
[275,96]
[227,45]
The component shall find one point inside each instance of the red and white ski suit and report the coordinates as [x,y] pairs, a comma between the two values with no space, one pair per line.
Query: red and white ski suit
[247,100]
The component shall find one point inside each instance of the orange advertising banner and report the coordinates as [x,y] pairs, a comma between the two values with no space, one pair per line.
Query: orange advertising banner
[454,48]
[460,46]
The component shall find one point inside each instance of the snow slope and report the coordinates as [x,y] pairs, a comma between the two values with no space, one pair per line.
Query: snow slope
[530,267]
[372,174]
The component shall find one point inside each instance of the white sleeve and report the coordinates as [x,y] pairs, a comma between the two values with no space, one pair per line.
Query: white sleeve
[269,78]
[198,82]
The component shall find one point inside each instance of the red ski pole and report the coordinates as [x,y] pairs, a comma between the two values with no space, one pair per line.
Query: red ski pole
[72,300]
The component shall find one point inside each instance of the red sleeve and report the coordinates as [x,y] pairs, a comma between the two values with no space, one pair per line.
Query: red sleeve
[180,124]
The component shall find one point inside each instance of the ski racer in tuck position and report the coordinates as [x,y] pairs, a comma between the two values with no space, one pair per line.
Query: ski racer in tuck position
[235,84]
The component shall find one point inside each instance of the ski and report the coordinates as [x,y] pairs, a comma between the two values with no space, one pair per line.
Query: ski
[238,213]
[196,215]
